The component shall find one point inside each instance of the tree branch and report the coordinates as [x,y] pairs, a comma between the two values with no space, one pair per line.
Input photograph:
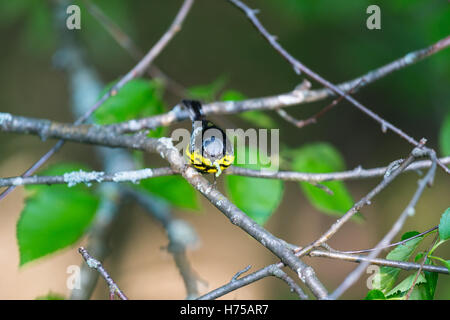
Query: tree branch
[76,177]
[355,174]
[95,264]
[134,176]
[380,262]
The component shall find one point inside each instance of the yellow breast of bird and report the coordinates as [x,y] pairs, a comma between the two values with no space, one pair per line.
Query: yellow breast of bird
[205,165]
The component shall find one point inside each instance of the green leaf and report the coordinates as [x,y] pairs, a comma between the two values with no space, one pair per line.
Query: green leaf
[408,235]
[257,197]
[208,92]
[431,278]
[444,225]
[259,119]
[375,295]
[385,279]
[404,286]
[176,190]
[138,98]
[419,256]
[322,158]
[232,95]
[51,296]
[54,217]
[444,136]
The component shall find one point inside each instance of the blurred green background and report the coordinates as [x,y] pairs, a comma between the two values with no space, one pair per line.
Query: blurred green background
[217,41]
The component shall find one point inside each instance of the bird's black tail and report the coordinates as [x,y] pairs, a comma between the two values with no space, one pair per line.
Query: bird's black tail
[195,109]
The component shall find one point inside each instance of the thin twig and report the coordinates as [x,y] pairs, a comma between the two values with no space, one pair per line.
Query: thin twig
[377,261]
[355,174]
[313,119]
[392,244]
[95,264]
[408,295]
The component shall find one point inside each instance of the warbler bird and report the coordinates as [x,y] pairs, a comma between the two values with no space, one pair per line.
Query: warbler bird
[209,149]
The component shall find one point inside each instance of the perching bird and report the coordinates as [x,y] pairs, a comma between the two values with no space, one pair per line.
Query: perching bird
[209,150]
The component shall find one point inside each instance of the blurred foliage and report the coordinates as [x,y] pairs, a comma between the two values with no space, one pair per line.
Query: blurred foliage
[38,34]
[405,26]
